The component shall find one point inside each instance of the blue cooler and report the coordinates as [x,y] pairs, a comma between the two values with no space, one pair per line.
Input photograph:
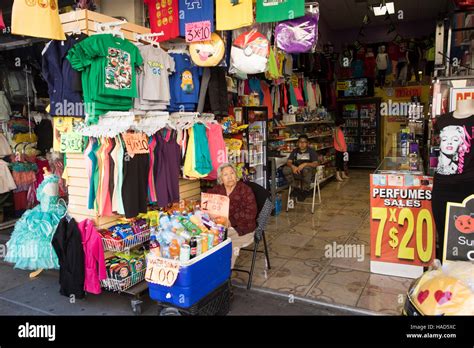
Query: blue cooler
[196,278]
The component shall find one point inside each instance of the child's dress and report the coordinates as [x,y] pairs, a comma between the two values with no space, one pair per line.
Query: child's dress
[30,244]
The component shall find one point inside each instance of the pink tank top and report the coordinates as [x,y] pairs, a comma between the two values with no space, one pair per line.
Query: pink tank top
[341,147]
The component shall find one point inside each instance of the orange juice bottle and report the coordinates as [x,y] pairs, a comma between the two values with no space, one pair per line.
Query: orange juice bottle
[174,249]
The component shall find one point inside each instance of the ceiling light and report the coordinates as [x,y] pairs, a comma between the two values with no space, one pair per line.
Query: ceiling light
[383,9]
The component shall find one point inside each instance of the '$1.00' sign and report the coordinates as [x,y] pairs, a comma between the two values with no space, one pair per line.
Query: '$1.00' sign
[161,271]
[403,235]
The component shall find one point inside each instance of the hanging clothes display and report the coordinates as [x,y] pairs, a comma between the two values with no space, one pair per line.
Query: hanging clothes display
[232,15]
[2,23]
[153,79]
[94,263]
[278,10]
[189,169]
[5,149]
[195,11]
[184,84]
[203,163]
[167,161]
[164,17]
[134,190]
[44,132]
[108,73]
[5,109]
[67,243]
[37,18]
[30,244]
[64,82]
[6,179]
[217,148]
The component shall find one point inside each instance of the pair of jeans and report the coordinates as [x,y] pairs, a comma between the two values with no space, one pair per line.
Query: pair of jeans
[305,177]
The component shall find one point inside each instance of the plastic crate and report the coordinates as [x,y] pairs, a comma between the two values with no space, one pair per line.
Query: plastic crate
[196,279]
[215,303]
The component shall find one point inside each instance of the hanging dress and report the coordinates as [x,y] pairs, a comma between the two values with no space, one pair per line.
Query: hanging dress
[30,246]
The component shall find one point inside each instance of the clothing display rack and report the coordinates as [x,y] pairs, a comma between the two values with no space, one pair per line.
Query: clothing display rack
[88,22]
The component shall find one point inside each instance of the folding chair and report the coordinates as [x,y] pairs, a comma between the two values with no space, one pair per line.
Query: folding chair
[264,208]
[314,186]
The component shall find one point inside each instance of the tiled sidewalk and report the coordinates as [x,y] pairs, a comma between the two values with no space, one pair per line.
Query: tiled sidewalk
[297,242]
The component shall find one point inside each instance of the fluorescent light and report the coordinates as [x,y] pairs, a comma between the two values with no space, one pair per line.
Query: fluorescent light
[382,10]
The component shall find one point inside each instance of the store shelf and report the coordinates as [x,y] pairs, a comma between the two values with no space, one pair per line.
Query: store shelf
[256,164]
[310,137]
[309,122]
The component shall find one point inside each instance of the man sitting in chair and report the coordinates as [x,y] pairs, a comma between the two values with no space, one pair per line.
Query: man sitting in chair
[301,166]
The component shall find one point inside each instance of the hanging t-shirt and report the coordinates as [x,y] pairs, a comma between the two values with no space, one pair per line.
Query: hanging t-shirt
[37,18]
[164,17]
[191,11]
[456,157]
[184,84]
[157,66]
[108,66]
[233,14]
[279,10]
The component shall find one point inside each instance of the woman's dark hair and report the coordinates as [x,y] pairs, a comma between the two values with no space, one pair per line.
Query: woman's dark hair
[340,121]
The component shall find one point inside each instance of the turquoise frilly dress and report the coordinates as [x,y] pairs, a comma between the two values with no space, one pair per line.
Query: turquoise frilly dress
[30,244]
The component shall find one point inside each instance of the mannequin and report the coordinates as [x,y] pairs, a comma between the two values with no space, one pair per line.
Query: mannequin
[382,65]
[454,177]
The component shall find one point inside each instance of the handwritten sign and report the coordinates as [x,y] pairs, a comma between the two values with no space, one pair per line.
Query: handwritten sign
[198,31]
[136,143]
[71,143]
[161,271]
[215,205]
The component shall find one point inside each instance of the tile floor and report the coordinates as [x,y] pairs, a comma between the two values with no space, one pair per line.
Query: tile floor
[297,242]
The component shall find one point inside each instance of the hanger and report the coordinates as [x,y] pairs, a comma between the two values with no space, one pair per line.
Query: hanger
[179,48]
[147,38]
[112,28]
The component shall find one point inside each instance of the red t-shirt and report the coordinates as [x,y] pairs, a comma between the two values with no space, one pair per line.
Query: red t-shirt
[242,208]
[164,16]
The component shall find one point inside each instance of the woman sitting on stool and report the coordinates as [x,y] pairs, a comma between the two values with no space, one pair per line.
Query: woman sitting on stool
[242,208]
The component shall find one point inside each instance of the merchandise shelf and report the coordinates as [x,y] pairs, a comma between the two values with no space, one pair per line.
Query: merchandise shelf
[126,244]
[116,285]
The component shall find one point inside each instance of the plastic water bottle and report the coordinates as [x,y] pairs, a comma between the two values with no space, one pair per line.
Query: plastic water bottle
[278,204]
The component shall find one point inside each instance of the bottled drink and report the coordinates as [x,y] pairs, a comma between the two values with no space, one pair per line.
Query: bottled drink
[193,246]
[188,225]
[174,249]
[205,245]
[197,221]
[185,253]
[199,245]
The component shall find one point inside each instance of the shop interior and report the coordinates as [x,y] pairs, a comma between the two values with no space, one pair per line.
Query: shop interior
[81,152]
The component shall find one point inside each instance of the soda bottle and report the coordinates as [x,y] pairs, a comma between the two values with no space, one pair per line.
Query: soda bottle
[185,253]
[174,249]
[193,246]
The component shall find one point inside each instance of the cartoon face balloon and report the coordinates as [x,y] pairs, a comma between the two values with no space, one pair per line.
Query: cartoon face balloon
[444,295]
[208,53]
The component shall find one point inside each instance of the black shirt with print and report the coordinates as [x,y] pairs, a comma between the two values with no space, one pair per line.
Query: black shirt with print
[298,157]
[456,157]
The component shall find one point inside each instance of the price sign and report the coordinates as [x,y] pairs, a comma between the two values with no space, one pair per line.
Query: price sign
[136,143]
[71,143]
[161,271]
[215,205]
[198,31]
[459,231]
[401,221]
